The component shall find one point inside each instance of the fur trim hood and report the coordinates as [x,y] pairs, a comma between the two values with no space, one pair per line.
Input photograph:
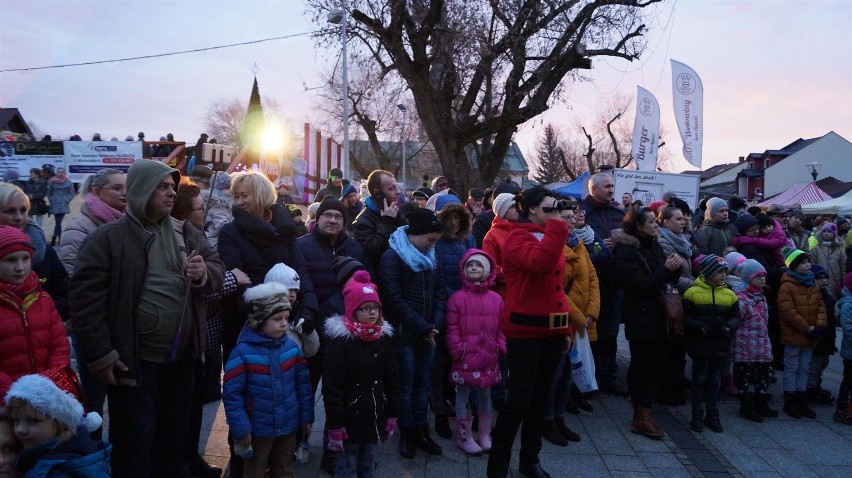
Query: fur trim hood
[465,222]
[264,290]
[336,329]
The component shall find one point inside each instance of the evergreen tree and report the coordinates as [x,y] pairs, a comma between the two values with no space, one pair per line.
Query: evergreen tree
[253,126]
[549,157]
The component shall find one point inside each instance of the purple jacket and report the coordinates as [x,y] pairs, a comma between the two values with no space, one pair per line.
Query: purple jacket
[473,330]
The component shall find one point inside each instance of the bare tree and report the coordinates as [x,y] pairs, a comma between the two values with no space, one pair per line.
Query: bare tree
[225,117]
[477,69]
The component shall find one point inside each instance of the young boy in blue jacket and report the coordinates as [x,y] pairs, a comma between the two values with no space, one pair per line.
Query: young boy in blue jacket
[267,387]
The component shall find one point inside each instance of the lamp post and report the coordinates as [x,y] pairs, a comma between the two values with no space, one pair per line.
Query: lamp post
[339,15]
[814,169]
[404,159]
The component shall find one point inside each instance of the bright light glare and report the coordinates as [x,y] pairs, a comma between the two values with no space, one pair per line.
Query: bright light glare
[272,140]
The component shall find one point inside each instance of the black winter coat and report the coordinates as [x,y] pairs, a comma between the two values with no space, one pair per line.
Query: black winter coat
[360,383]
[640,266]
[319,255]
[414,302]
[373,231]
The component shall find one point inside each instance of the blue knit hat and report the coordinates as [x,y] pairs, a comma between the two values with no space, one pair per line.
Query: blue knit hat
[445,199]
[750,268]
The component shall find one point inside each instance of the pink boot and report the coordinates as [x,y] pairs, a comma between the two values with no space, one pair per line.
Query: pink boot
[465,436]
[483,435]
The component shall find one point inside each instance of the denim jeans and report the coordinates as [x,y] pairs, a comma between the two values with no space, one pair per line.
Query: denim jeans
[818,364]
[440,390]
[415,366]
[532,363]
[706,378]
[149,424]
[560,389]
[358,460]
[797,362]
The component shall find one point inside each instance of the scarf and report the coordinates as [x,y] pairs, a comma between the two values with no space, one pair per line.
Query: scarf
[679,242]
[101,210]
[806,280]
[58,180]
[31,284]
[365,332]
[573,240]
[585,234]
[37,240]
[413,258]
[372,205]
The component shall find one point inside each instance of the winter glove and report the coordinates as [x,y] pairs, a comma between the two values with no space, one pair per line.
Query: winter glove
[307,323]
[816,332]
[390,427]
[336,439]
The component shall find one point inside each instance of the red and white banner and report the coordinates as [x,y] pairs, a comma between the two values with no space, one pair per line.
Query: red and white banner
[688,99]
[646,130]
[321,154]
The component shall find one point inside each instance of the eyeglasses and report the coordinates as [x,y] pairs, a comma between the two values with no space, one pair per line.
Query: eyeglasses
[118,188]
[332,215]
[368,309]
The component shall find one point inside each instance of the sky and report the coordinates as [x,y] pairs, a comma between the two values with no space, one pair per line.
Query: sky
[773,70]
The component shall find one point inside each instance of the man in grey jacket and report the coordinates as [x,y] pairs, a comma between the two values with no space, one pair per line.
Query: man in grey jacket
[138,314]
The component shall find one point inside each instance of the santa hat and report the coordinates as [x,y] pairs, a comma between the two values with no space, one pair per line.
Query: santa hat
[358,290]
[265,300]
[44,395]
[284,275]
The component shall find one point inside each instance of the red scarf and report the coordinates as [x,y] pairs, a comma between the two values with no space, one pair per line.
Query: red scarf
[31,284]
[365,332]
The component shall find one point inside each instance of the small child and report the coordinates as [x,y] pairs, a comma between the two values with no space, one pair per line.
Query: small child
[733,280]
[475,344]
[54,432]
[360,379]
[751,350]
[9,447]
[32,335]
[843,309]
[825,347]
[267,387]
[803,321]
[711,314]
[301,329]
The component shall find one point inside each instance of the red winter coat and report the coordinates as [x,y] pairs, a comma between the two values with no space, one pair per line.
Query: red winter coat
[474,339]
[493,244]
[32,336]
[536,306]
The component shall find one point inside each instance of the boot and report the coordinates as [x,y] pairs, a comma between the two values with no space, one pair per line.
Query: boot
[199,467]
[328,462]
[711,420]
[747,408]
[580,399]
[820,396]
[804,409]
[843,414]
[697,422]
[464,438]
[406,443]
[442,426]
[552,434]
[423,441]
[483,435]
[791,405]
[643,425]
[565,431]
[636,423]
[761,404]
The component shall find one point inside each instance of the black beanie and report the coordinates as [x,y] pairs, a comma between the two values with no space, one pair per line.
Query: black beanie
[330,202]
[764,220]
[344,267]
[423,221]
[744,222]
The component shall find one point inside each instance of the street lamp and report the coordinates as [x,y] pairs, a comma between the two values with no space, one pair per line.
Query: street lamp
[814,169]
[404,160]
[338,15]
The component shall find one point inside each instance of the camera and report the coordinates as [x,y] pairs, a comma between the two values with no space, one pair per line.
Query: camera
[564,204]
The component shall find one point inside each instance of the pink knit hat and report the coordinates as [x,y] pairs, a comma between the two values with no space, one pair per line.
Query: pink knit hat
[358,290]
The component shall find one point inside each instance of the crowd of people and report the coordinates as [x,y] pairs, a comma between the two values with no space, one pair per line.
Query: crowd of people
[176,290]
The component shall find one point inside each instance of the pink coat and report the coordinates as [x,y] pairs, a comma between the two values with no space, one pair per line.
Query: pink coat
[473,330]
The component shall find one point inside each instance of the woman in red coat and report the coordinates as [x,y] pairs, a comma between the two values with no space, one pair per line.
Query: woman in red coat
[32,336]
[536,324]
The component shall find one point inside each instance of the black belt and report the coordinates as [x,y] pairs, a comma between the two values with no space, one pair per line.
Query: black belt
[556,320]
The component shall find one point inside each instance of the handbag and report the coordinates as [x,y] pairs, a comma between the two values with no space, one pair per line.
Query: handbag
[583,364]
[671,304]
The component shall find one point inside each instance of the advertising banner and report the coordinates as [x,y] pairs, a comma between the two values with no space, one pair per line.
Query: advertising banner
[24,156]
[86,157]
[646,130]
[688,98]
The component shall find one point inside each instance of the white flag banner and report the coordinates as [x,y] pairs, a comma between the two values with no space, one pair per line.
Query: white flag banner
[646,130]
[688,98]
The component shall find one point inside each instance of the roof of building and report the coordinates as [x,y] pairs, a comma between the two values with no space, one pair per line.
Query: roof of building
[11,119]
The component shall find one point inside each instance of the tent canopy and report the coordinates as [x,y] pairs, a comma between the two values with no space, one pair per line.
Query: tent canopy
[799,193]
[839,206]
[576,189]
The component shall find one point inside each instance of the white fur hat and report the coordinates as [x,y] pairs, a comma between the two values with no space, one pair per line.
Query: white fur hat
[46,397]
[283,274]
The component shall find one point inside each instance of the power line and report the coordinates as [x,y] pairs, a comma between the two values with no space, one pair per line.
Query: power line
[159,55]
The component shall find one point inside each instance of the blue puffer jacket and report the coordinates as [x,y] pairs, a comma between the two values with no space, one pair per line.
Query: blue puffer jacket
[449,253]
[319,255]
[267,388]
[414,302]
[78,457]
